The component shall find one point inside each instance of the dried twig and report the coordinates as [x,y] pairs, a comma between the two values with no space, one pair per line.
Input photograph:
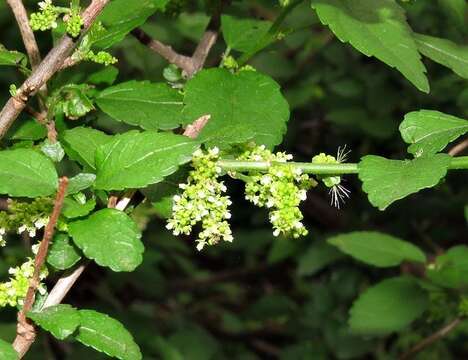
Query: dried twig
[439,334]
[25,331]
[46,69]
[27,34]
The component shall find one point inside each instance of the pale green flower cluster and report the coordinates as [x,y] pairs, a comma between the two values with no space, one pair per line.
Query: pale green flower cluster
[102,57]
[31,228]
[203,201]
[46,18]
[14,291]
[280,190]
[74,23]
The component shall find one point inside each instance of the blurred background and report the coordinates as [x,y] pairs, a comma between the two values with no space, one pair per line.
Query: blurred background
[263,297]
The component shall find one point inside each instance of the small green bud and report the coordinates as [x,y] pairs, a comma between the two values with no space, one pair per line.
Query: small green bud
[74,23]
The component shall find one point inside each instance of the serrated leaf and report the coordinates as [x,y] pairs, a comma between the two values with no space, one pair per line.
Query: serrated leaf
[149,105]
[60,320]
[29,129]
[137,159]
[25,172]
[243,106]
[122,16]
[12,58]
[377,249]
[7,352]
[73,209]
[386,181]
[109,237]
[62,253]
[376,28]
[243,34]
[388,306]
[80,182]
[316,258]
[450,269]
[81,144]
[430,131]
[444,52]
[107,335]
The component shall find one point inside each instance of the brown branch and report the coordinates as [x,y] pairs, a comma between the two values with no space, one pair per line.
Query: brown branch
[25,330]
[189,65]
[439,334]
[458,148]
[27,34]
[46,69]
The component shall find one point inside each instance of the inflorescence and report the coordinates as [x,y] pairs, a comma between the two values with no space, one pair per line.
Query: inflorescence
[203,201]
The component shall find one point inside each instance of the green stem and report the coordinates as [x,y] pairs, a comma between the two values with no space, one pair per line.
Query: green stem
[271,34]
[458,163]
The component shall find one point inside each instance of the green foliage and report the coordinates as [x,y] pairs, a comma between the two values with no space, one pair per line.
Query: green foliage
[6,351]
[137,159]
[109,237]
[243,106]
[60,320]
[242,34]
[376,28]
[430,131]
[450,269]
[106,335]
[62,254]
[377,249]
[36,173]
[386,181]
[151,106]
[388,306]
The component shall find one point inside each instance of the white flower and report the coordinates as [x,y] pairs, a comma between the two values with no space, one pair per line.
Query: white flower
[40,223]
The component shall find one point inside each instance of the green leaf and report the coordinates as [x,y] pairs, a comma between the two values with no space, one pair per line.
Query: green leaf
[74,209]
[430,131]
[105,76]
[388,306]
[73,100]
[243,34]
[60,320]
[135,160]
[7,352]
[450,269]
[317,256]
[377,249]
[62,253]
[456,10]
[25,172]
[81,144]
[386,181]
[122,16]
[109,237]
[29,129]
[376,28]
[53,151]
[243,106]
[444,52]
[107,335]
[12,58]
[80,182]
[149,105]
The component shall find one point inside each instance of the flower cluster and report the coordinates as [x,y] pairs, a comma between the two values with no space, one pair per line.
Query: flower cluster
[13,291]
[337,191]
[25,216]
[46,18]
[281,190]
[102,57]
[74,23]
[203,201]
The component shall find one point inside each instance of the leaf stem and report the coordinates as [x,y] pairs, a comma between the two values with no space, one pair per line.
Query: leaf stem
[458,163]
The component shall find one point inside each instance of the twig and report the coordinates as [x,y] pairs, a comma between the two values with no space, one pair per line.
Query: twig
[193,130]
[25,331]
[27,34]
[457,149]
[46,69]
[439,334]
[189,65]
